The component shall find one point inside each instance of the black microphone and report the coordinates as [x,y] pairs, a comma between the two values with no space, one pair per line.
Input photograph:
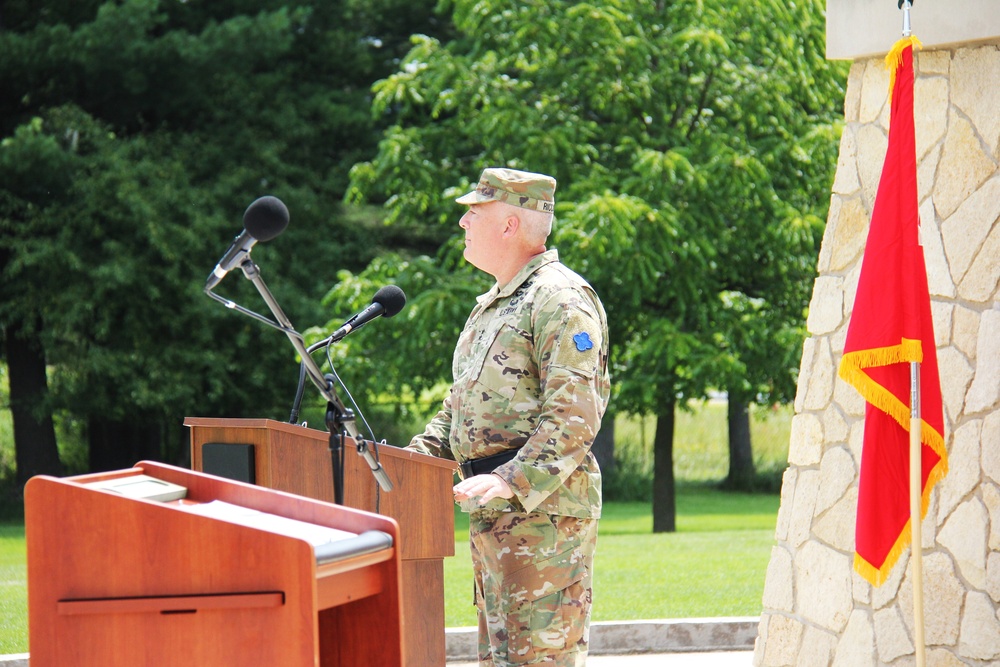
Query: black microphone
[387,302]
[263,220]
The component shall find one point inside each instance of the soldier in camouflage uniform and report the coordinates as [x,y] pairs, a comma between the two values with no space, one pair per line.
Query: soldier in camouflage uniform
[530,388]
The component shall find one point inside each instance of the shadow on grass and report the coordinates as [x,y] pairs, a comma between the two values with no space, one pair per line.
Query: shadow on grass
[11,503]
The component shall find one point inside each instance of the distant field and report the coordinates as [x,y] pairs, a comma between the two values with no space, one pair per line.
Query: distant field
[701,447]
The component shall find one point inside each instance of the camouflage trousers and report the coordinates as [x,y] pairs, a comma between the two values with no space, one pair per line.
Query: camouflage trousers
[533,579]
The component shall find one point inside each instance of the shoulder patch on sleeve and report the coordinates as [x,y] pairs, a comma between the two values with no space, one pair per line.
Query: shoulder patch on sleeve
[583,342]
[580,347]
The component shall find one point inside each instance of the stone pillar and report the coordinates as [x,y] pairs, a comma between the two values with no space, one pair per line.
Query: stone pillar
[816,609]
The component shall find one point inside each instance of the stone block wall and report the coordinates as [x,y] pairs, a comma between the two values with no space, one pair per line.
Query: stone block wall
[816,609]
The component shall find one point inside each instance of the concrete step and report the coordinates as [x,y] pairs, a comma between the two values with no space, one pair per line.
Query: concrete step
[652,636]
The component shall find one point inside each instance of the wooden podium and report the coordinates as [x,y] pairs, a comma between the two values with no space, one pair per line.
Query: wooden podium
[115,579]
[296,459]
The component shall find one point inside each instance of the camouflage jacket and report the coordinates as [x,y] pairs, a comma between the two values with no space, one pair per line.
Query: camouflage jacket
[531,373]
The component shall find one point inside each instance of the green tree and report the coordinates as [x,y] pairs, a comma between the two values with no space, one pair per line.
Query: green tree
[694,144]
[37,168]
[132,134]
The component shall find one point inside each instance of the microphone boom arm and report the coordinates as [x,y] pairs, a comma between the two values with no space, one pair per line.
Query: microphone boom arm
[343,416]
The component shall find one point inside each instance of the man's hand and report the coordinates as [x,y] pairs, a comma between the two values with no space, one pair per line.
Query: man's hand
[486,487]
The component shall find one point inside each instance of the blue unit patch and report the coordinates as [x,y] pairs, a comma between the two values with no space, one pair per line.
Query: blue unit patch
[583,342]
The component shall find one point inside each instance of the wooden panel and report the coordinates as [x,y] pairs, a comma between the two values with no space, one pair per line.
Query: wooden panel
[423,610]
[344,587]
[421,500]
[298,461]
[126,548]
[170,603]
[348,630]
[219,638]
[114,558]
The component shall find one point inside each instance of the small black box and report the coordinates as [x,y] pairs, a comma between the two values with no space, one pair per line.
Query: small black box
[232,461]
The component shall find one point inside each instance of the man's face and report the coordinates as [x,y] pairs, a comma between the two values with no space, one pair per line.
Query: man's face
[484,225]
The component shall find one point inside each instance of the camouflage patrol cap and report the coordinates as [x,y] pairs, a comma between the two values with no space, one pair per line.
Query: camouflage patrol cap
[518,188]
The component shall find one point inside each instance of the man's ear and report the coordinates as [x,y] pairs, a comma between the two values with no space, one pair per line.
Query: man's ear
[511,224]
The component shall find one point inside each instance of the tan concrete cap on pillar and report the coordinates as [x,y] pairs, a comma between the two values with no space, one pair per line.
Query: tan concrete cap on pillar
[868,28]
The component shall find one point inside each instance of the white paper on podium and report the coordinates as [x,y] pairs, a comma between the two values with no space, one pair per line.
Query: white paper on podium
[312,533]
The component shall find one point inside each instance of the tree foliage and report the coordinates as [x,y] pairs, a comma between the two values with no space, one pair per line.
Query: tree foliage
[694,144]
[133,133]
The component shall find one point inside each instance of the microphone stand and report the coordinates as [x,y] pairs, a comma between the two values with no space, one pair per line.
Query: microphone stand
[339,416]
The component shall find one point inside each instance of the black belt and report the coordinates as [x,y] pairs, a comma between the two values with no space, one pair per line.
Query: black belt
[486,464]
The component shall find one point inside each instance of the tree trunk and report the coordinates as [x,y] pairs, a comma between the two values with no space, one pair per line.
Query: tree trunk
[115,445]
[604,445]
[35,448]
[741,470]
[664,491]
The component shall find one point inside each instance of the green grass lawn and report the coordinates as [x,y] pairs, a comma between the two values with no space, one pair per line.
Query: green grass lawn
[713,565]
[13,590]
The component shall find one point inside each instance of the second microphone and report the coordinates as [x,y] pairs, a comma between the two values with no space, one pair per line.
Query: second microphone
[387,302]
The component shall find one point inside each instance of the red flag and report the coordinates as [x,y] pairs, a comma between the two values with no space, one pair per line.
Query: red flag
[890,327]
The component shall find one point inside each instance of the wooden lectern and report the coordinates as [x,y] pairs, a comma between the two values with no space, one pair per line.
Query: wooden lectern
[118,579]
[296,459]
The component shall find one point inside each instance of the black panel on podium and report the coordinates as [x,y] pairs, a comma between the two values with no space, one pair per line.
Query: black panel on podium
[234,462]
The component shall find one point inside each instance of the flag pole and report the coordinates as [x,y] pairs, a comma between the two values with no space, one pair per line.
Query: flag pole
[916,544]
[916,470]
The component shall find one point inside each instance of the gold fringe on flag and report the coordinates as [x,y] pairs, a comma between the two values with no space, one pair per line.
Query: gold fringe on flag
[877,576]
[851,370]
[894,58]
